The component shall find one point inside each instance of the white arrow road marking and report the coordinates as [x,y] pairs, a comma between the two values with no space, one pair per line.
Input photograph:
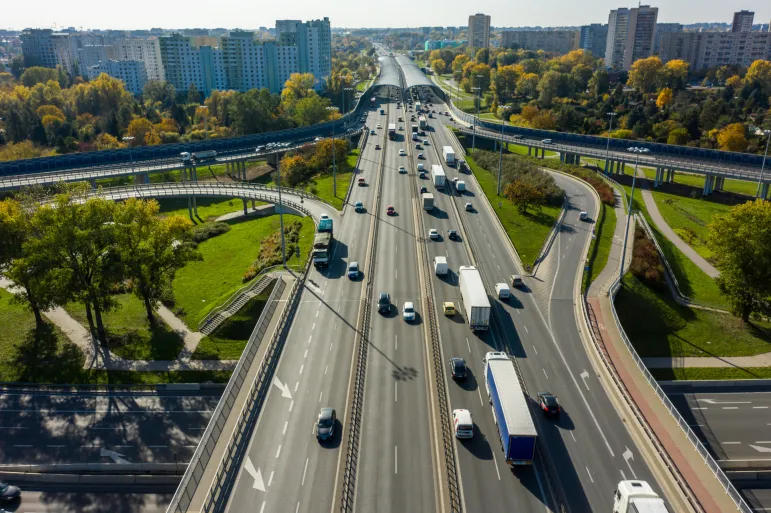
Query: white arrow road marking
[760,448]
[259,484]
[116,457]
[585,376]
[629,456]
[284,388]
[712,401]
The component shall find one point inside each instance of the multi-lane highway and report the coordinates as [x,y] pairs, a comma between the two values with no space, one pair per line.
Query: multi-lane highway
[714,417]
[94,426]
[285,468]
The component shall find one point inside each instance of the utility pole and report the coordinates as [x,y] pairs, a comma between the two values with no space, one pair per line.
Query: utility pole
[476,116]
[607,147]
[637,151]
[280,211]
[500,159]
[763,166]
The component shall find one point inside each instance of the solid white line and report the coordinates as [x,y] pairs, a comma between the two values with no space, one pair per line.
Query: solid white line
[285,426]
[468,345]
[262,508]
[301,368]
[321,394]
[590,474]
[291,405]
[480,397]
[396,460]
[270,479]
[304,471]
[544,373]
[495,462]
[396,392]
[278,451]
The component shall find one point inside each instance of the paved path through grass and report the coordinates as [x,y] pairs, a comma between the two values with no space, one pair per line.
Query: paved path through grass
[669,233]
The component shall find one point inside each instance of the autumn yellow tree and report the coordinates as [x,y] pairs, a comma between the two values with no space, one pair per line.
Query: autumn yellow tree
[645,74]
[734,81]
[760,72]
[439,66]
[664,98]
[731,138]
[143,132]
[675,74]
[527,85]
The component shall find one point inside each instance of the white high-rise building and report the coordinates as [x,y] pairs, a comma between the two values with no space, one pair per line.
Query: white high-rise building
[631,35]
[132,73]
[314,49]
[478,32]
[286,27]
[145,50]
[181,62]
[91,55]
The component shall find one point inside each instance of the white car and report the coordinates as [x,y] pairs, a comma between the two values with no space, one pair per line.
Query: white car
[402,170]
[402,152]
[433,234]
[408,311]
[324,216]
[379,126]
[317,139]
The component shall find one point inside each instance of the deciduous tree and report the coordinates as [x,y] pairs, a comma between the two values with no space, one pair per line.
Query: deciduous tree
[524,195]
[664,98]
[760,72]
[731,138]
[645,74]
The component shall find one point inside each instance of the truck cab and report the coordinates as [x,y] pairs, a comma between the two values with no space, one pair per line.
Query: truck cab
[637,497]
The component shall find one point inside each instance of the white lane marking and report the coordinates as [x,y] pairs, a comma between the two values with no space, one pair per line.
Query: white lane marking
[468,345]
[313,328]
[285,426]
[304,471]
[297,508]
[730,407]
[157,446]
[278,451]
[60,446]
[730,443]
[544,373]
[296,385]
[712,401]
[396,272]
[396,393]
[536,350]
[306,354]
[262,508]
[590,474]
[301,368]
[396,342]
[291,405]
[707,409]
[525,329]
[760,407]
[317,314]
[574,436]
[23,446]
[762,442]
[326,369]
[330,346]
[584,377]
[480,397]
[320,395]
[623,476]
[270,479]
[396,459]
[495,462]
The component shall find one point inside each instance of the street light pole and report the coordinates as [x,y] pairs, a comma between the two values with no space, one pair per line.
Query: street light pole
[607,147]
[763,166]
[500,160]
[476,115]
[637,151]
[280,211]
[127,139]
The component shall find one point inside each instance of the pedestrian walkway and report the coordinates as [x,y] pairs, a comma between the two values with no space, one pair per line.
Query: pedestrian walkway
[668,362]
[610,272]
[669,233]
[633,384]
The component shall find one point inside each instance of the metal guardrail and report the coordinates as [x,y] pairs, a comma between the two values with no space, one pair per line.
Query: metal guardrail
[200,460]
[714,467]
[362,145]
[553,234]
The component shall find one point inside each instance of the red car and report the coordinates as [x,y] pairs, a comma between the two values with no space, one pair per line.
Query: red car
[377,146]
[390,210]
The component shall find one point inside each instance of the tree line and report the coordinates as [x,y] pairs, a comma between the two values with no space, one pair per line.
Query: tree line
[652,101]
[72,247]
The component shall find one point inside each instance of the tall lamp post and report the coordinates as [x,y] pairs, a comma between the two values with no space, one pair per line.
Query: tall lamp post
[478,89]
[334,160]
[500,157]
[127,139]
[637,151]
[607,147]
[767,133]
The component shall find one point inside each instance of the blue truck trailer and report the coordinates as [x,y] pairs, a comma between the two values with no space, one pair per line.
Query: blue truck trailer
[510,409]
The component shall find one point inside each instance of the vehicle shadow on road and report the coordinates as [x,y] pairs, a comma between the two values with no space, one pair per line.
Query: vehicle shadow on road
[335,441]
[339,264]
[438,213]
[478,446]
[507,330]
[470,383]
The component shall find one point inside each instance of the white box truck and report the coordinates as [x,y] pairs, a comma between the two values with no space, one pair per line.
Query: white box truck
[449,155]
[475,300]
[428,201]
[637,497]
[440,265]
[438,176]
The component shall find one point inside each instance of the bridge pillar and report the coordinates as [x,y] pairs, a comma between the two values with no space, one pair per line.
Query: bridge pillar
[577,159]
[543,153]
[607,165]
[93,183]
[562,157]
[529,151]
[657,180]
[190,208]
[246,207]
[763,191]
[254,207]
[709,184]
[243,168]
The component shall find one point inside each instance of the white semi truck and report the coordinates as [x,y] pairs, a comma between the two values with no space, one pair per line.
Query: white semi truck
[438,176]
[637,497]
[474,296]
[449,155]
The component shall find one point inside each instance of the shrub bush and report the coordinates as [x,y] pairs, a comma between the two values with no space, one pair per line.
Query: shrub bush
[646,264]
[208,230]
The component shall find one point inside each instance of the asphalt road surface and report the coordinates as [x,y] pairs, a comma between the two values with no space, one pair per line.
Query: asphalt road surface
[76,427]
[732,426]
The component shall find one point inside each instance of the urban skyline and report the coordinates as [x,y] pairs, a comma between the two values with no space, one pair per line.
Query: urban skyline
[89,14]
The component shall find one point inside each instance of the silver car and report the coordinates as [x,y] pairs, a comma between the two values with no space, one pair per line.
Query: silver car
[325,424]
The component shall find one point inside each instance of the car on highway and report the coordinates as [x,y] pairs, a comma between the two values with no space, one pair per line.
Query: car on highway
[361,181]
[452,234]
[377,146]
[418,146]
[516,281]
[423,189]
[462,424]
[425,142]
[358,206]
[317,139]
[452,119]
[583,216]
[372,132]
[469,207]
[546,141]
[353,270]
[458,368]
[433,234]
[324,216]
[421,168]
[420,156]
[9,493]
[379,126]
[390,210]
[401,128]
[408,311]
[402,170]
[549,404]
[448,308]
[384,302]
[402,152]
[422,174]
[516,136]
[260,148]
[325,423]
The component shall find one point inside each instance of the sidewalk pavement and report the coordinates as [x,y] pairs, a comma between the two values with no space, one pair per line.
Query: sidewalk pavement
[661,224]
[206,478]
[610,272]
[702,483]
[668,362]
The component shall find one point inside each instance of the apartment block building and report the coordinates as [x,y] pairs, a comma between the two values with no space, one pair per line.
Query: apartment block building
[594,38]
[553,41]
[91,55]
[743,21]
[145,50]
[132,73]
[181,62]
[286,26]
[704,50]
[661,29]
[44,47]
[631,35]
[478,32]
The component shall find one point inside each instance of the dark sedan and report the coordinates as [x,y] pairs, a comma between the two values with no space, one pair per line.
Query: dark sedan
[458,368]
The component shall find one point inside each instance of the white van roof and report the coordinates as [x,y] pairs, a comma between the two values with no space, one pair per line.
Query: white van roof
[464,417]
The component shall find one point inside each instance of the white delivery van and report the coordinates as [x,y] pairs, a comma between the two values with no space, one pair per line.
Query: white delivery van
[503,291]
[462,424]
[440,265]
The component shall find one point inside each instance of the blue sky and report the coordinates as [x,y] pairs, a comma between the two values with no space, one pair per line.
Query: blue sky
[399,13]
